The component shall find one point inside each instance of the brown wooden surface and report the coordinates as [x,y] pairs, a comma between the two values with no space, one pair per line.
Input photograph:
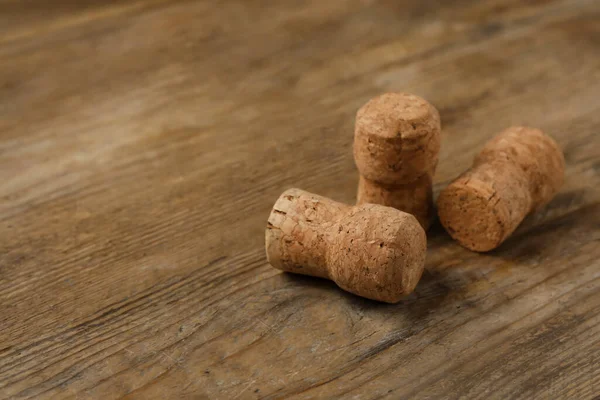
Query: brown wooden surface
[143,143]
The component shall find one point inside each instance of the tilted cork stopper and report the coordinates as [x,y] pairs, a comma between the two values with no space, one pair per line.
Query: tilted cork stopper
[370,250]
[396,146]
[516,173]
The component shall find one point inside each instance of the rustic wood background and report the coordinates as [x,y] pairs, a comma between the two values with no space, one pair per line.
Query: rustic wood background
[143,143]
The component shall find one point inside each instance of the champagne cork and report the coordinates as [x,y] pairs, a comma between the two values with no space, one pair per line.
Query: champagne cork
[370,250]
[516,173]
[396,146]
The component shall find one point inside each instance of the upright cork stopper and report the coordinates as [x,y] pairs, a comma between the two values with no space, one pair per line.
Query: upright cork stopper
[370,250]
[516,173]
[396,146]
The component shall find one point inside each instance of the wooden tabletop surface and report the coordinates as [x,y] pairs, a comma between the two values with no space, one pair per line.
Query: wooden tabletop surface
[143,143]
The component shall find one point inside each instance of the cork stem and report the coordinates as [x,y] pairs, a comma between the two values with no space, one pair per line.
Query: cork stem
[298,233]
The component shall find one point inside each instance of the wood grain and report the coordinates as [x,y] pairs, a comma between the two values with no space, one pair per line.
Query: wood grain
[142,144]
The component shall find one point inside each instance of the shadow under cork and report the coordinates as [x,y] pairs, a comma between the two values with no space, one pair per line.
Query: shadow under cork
[430,293]
[443,292]
[535,240]
[399,321]
[555,232]
[567,211]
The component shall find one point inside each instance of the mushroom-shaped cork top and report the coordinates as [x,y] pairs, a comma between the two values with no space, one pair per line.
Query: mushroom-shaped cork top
[377,252]
[396,138]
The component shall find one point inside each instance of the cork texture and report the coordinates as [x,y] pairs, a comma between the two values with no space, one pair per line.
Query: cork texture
[370,250]
[415,198]
[517,172]
[396,146]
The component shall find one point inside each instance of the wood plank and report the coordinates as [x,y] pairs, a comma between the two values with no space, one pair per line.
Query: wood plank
[141,151]
[27,19]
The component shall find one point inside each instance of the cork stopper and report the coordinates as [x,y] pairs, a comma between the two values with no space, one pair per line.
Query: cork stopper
[516,173]
[396,146]
[370,250]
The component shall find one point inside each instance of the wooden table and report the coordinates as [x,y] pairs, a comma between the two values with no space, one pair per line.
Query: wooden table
[143,143]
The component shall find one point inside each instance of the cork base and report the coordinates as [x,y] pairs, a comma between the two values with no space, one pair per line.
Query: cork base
[296,235]
[472,215]
[415,198]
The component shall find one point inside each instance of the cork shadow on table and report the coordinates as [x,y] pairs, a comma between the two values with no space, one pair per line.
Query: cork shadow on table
[565,223]
[531,241]
[429,294]
[433,289]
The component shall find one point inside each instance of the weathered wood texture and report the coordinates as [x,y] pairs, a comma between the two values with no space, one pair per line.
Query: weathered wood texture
[143,143]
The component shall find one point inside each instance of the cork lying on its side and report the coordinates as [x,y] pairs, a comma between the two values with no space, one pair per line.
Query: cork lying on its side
[370,250]
[396,146]
[516,173]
